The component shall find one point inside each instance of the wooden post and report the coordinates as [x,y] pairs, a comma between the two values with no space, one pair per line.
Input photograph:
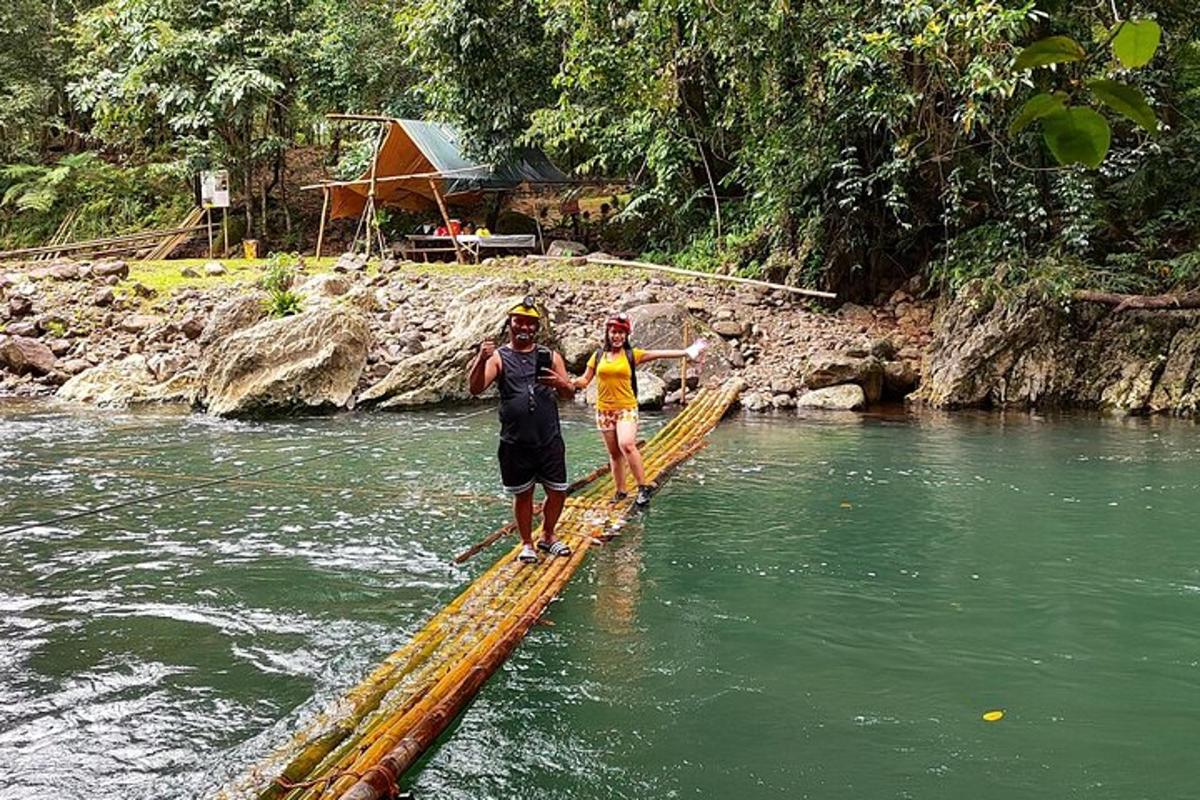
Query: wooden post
[324,216]
[446,219]
[208,215]
[225,232]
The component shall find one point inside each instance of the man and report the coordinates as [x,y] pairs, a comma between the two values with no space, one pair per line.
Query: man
[531,445]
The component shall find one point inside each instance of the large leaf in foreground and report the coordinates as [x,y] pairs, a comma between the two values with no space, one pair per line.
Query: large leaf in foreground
[1077,136]
[1125,100]
[1035,108]
[1136,42]
[1051,50]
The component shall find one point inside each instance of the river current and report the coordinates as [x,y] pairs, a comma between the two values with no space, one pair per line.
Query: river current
[816,606]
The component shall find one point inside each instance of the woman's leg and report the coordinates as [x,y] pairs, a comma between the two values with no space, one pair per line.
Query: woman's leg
[627,431]
[615,461]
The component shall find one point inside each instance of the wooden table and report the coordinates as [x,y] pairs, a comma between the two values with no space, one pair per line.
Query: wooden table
[476,246]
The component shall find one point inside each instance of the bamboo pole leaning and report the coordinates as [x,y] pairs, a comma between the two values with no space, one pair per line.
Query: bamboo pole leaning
[360,746]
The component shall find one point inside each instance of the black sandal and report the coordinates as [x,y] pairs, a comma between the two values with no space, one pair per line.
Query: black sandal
[556,548]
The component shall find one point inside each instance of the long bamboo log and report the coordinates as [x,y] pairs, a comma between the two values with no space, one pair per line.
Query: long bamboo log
[384,723]
[712,276]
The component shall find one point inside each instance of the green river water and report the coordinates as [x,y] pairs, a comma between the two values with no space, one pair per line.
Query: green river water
[814,607]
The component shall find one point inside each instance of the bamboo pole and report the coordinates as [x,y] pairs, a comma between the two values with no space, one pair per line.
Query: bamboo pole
[361,745]
[98,243]
[437,195]
[324,217]
[394,178]
[620,262]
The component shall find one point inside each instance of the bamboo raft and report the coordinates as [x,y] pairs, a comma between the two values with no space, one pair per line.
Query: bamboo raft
[359,747]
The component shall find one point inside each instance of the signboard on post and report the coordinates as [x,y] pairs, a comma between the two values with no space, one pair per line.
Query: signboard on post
[214,189]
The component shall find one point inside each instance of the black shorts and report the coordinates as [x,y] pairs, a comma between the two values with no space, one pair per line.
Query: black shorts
[521,466]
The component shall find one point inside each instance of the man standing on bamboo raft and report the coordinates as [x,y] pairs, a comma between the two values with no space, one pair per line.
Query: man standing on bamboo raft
[531,379]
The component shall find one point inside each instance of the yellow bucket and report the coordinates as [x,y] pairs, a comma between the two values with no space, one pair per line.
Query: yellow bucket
[250,248]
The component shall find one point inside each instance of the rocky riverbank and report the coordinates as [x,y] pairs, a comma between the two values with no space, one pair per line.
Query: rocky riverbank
[399,334]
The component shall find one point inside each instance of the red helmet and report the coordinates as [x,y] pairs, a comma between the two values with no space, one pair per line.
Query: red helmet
[619,322]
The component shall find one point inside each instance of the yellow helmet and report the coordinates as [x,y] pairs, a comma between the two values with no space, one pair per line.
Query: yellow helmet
[525,308]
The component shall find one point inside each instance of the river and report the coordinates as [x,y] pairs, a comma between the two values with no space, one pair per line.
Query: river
[815,606]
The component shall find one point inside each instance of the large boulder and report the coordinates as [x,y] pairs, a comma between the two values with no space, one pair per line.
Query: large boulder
[232,316]
[1029,351]
[833,369]
[127,382]
[847,397]
[439,372]
[311,361]
[22,355]
[660,326]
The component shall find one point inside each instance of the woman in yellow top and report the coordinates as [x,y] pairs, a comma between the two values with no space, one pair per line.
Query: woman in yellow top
[616,401]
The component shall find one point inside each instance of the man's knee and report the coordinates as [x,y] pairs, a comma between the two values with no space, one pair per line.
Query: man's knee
[629,447]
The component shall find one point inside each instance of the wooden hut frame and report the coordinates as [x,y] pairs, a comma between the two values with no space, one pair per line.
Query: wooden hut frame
[417,143]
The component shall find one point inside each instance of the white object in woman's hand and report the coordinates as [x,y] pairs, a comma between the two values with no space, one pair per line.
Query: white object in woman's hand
[696,348]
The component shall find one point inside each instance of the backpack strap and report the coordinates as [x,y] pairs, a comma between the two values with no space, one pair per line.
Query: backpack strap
[632,368]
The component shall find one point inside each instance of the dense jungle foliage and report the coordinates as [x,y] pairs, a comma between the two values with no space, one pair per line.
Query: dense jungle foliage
[843,144]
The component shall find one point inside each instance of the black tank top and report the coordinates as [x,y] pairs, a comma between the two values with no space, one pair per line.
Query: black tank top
[528,409]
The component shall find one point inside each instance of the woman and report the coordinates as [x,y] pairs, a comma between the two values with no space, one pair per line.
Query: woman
[616,400]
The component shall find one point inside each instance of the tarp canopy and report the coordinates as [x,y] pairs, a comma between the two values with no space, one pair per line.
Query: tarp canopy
[413,147]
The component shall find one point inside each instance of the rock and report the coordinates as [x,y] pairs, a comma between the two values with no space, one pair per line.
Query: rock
[852,312]
[311,361]
[19,305]
[577,348]
[60,347]
[830,369]
[214,268]
[730,328]
[899,379]
[103,297]
[24,329]
[192,325]
[63,271]
[232,316]
[188,272]
[350,262]
[883,349]
[110,269]
[1027,352]
[783,401]
[142,290]
[756,401]
[125,382]
[322,290]
[565,247]
[439,372]
[846,397]
[783,386]
[735,360]
[137,323]
[74,366]
[659,326]
[22,355]
[397,321]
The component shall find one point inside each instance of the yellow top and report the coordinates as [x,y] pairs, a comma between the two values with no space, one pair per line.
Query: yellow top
[613,392]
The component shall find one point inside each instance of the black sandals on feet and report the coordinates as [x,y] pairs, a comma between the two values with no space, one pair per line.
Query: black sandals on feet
[556,548]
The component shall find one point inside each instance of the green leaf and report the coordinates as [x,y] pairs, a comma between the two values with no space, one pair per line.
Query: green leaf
[1125,100]
[1077,136]
[1136,41]
[1037,107]
[1051,50]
